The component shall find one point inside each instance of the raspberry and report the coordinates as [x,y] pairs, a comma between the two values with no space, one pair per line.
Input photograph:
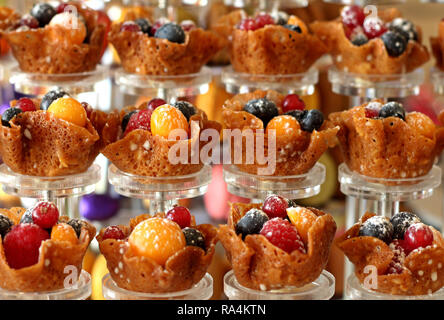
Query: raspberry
[26,104]
[248,24]
[374,27]
[130,26]
[283,234]
[262,20]
[29,21]
[154,103]
[352,16]
[45,214]
[180,215]
[275,206]
[396,265]
[418,235]
[371,113]
[292,102]
[139,120]
[22,245]
[113,232]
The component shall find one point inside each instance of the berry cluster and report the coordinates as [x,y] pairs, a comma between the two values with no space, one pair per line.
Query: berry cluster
[159,117]
[263,19]
[22,242]
[57,102]
[271,222]
[293,108]
[404,233]
[376,110]
[161,29]
[360,29]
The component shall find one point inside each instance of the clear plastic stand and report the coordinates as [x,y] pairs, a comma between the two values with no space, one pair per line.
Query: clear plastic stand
[323,288]
[165,87]
[64,191]
[259,187]
[376,86]
[355,291]
[299,83]
[162,192]
[203,290]
[80,291]
[437,79]
[39,83]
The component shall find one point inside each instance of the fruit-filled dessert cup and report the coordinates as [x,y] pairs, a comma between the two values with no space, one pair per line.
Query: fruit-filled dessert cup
[165,256]
[41,254]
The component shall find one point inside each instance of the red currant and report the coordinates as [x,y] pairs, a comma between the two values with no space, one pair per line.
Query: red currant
[292,102]
[262,20]
[87,108]
[156,26]
[283,234]
[113,232]
[26,104]
[180,215]
[130,26]
[29,21]
[374,27]
[187,25]
[139,120]
[248,24]
[22,245]
[275,206]
[61,7]
[154,103]
[352,16]
[418,235]
[45,214]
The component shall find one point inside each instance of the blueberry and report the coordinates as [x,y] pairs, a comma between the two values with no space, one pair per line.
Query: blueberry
[359,40]
[77,225]
[27,216]
[186,108]
[144,25]
[194,237]
[50,97]
[395,43]
[312,120]
[172,32]
[401,221]
[43,12]
[126,119]
[392,109]
[9,114]
[5,225]
[251,222]
[405,28]
[378,227]
[262,108]
[293,27]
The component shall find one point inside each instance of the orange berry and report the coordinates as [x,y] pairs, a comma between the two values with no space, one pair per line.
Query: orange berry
[157,238]
[70,110]
[167,118]
[64,232]
[283,125]
[302,219]
[73,30]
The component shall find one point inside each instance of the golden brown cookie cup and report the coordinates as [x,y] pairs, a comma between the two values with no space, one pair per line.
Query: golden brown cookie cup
[388,148]
[144,55]
[437,44]
[48,273]
[372,57]
[37,52]
[144,154]
[181,271]
[296,153]
[8,19]
[422,273]
[258,264]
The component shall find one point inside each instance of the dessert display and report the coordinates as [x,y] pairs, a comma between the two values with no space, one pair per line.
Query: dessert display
[53,136]
[267,45]
[277,244]
[437,44]
[382,43]
[163,47]
[407,254]
[302,135]
[70,38]
[158,254]
[37,244]
[384,141]
[138,138]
